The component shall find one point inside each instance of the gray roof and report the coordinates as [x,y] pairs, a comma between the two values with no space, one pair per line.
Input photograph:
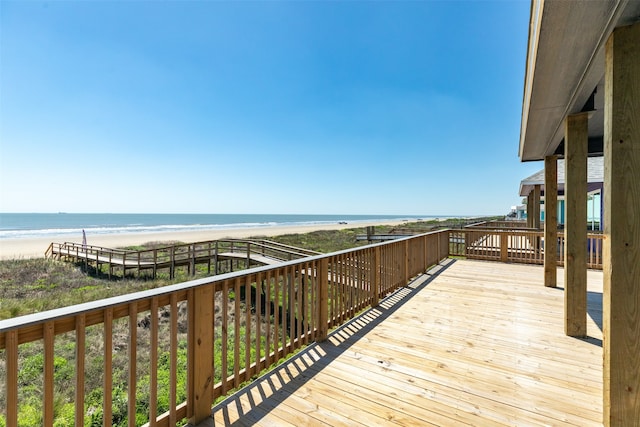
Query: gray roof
[595,175]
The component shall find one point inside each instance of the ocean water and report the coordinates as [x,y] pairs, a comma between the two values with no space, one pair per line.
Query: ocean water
[39,225]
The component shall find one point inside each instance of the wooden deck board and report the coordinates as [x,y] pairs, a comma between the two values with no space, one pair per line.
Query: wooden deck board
[475,343]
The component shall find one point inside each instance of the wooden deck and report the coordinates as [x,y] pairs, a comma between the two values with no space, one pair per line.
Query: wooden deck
[471,343]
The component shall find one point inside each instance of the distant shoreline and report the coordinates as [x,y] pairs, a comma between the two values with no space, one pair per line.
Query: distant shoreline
[26,248]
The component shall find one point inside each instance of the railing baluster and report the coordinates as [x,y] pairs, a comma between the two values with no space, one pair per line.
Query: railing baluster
[276,315]
[304,285]
[313,285]
[153,364]
[323,285]
[173,368]
[284,309]
[225,336]
[132,354]
[48,373]
[377,276]
[11,351]
[236,334]
[267,301]
[247,332]
[191,362]
[351,284]
[340,290]
[291,318]
[108,370]
[80,324]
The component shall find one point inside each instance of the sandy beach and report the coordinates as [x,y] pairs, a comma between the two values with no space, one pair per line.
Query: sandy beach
[35,248]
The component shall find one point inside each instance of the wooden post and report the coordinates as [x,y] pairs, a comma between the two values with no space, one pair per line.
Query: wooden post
[201,346]
[535,209]
[155,262]
[323,299]
[575,250]
[529,210]
[172,259]
[551,221]
[621,263]
[11,381]
[80,363]
[406,263]
[375,282]
[504,247]
[370,232]
[132,352]
[216,268]
[467,241]
[49,340]
[107,366]
[192,248]
[248,255]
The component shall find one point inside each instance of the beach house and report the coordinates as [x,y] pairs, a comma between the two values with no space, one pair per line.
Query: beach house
[534,185]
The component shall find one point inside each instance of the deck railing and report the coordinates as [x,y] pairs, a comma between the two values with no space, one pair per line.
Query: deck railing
[173,350]
[523,246]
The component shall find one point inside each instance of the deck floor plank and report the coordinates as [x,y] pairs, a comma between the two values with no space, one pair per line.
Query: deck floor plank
[470,343]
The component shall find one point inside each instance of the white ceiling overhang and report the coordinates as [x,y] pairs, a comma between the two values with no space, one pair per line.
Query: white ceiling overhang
[565,67]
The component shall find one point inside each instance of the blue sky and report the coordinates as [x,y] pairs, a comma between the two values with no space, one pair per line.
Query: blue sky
[262,107]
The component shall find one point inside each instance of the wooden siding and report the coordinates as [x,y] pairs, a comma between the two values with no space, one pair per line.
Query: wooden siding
[469,343]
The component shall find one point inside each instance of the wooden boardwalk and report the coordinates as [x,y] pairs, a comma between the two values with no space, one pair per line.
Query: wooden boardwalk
[472,343]
[247,251]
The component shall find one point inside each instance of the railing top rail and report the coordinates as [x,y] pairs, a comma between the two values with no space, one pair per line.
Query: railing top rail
[499,224]
[475,224]
[294,249]
[85,248]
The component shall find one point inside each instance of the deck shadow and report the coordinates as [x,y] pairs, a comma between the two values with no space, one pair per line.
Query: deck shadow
[277,385]
[594,311]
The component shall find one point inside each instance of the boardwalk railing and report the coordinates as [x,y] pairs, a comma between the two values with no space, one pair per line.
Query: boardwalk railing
[521,246]
[514,224]
[169,352]
[252,252]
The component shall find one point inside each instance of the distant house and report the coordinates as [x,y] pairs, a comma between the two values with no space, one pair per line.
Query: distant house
[518,213]
[595,183]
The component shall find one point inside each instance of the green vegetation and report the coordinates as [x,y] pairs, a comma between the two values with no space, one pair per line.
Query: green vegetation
[34,285]
[335,240]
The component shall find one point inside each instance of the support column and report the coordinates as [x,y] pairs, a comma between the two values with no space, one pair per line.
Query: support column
[529,210]
[536,207]
[551,221]
[621,250]
[575,248]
